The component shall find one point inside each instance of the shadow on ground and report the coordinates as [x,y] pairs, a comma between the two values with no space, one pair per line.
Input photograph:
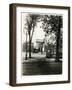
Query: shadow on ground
[42,67]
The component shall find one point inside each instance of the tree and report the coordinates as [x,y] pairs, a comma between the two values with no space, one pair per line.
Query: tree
[31,21]
[53,24]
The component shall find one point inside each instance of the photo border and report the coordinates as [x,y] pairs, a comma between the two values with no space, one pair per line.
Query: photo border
[12,41]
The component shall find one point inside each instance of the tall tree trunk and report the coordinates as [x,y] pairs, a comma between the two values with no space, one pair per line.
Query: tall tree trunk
[29,47]
[26,46]
[57,45]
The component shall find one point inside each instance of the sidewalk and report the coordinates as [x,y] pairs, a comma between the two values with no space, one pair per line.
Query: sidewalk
[38,57]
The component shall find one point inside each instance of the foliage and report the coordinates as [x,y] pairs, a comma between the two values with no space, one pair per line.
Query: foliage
[31,21]
[51,23]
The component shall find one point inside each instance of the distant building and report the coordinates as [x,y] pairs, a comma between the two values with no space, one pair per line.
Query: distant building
[40,45]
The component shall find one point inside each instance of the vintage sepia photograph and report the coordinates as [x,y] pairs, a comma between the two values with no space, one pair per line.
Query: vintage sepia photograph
[42,48]
[39,44]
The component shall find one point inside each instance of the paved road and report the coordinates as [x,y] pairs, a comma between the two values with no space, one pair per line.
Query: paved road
[42,67]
